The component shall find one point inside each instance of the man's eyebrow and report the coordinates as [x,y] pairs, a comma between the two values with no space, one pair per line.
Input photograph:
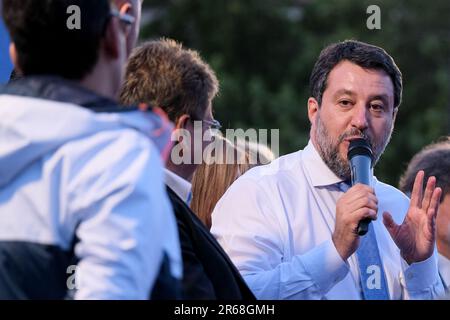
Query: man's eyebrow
[344,92]
[382,97]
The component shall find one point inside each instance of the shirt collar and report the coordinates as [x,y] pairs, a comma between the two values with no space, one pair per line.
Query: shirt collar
[180,186]
[444,269]
[321,174]
[62,90]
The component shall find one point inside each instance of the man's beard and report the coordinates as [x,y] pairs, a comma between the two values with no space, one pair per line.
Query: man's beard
[329,149]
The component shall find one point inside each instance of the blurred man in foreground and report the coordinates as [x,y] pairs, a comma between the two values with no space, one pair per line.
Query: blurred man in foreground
[83,210]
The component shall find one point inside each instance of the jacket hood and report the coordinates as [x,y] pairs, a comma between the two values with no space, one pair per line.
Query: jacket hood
[40,114]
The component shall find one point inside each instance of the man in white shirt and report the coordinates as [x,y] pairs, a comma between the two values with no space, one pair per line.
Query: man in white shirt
[290,227]
[444,271]
[434,159]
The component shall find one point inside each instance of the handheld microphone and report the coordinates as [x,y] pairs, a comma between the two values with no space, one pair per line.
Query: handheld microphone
[360,159]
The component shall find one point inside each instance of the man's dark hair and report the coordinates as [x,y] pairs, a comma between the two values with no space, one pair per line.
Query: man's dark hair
[44,43]
[14,75]
[364,55]
[164,74]
[435,161]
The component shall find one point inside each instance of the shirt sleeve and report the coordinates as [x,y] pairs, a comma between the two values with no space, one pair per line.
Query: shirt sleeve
[421,281]
[251,230]
[125,220]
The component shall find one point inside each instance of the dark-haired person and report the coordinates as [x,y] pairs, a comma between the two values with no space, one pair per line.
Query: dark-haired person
[290,227]
[165,74]
[434,160]
[83,209]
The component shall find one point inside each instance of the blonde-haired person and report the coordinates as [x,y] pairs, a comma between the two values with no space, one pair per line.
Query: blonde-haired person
[218,172]
[258,153]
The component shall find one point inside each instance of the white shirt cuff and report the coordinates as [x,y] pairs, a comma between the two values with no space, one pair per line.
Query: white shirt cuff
[421,275]
[325,266]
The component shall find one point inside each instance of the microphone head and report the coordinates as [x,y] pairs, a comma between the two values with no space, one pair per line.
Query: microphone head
[360,147]
[360,158]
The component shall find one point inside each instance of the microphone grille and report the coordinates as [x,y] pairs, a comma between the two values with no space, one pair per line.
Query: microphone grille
[359,146]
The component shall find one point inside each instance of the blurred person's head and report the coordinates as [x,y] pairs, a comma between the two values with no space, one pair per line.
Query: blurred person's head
[43,41]
[164,74]
[356,90]
[134,9]
[434,160]
[215,175]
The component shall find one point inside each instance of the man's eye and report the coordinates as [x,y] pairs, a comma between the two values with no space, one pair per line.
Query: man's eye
[345,103]
[377,107]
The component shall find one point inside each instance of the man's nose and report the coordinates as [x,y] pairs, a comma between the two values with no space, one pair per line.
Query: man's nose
[360,117]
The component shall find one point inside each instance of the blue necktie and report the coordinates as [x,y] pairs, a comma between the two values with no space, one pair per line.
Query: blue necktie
[189,198]
[373,280]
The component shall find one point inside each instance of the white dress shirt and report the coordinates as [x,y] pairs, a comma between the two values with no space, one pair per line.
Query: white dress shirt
[180,186]
[444,270]
[276,224]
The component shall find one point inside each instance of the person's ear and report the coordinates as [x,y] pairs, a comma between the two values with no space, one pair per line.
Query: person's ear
[313,108]
[182,122]
[13,56]
[126,8]
[394,116]
[112,39]
[182,132]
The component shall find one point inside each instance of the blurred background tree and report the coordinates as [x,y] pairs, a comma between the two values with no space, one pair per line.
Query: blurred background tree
[263,52]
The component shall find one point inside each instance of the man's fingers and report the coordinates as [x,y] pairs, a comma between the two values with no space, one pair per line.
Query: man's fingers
[416,194]
[364,203]
[434,203]
[390,224]
[364,213]
[360,191]
[431,184]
